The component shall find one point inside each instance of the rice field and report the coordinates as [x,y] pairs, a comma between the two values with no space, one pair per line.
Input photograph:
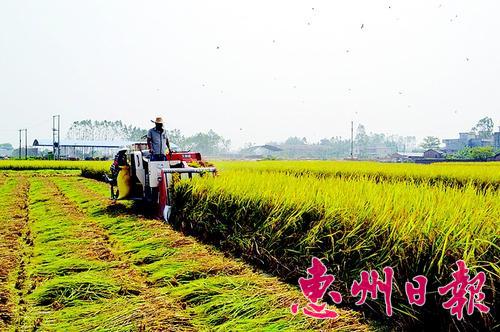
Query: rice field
[456,174]
[73,261]
[452,173]
[409,217]
[279,218]
[17,165]
[269,215]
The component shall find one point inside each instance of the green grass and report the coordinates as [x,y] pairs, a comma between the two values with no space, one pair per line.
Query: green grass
[75,288]
[12,229]
[182,269]
[18,165]
[114,314]
[65,278]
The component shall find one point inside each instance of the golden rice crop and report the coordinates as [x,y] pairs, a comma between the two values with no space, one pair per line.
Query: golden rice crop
[481,174]
[463,221]
[280,221]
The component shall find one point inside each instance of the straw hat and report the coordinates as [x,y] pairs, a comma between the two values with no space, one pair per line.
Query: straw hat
[158,119]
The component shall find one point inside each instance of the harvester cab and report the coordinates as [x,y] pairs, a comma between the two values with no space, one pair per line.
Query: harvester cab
[152,181]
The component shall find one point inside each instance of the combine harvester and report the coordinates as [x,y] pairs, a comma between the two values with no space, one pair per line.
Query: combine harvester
[152,181]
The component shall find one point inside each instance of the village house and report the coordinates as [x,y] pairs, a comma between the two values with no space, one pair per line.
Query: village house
[434,154]
[471,140]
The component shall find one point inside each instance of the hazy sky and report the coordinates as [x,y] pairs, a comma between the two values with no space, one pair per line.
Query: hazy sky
[253,71]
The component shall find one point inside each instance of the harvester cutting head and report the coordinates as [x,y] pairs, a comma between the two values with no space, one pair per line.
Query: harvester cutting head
[152,181]
[165,201]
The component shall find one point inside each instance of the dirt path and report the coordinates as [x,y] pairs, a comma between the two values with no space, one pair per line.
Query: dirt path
[14,238]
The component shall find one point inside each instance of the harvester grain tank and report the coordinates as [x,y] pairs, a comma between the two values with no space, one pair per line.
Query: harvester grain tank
[152,181]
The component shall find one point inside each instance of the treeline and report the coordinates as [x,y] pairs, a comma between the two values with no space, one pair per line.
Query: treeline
[104,131]
[365,145]
[479,153]
[209,143]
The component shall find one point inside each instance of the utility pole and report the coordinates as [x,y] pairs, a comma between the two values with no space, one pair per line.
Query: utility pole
[26,143]
[56,136]
[20,130]
[352,139]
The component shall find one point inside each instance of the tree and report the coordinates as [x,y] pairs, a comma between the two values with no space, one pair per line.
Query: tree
[208,143]
[134,133]
[484,128]
[377,138]
[361,136]
[361,141]
[294,140]
[104,130]
[325,141]
[430,142]
[479,153]
[175,136]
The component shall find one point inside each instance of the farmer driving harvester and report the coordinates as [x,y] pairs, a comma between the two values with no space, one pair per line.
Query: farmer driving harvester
[158,141]
[148,175]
